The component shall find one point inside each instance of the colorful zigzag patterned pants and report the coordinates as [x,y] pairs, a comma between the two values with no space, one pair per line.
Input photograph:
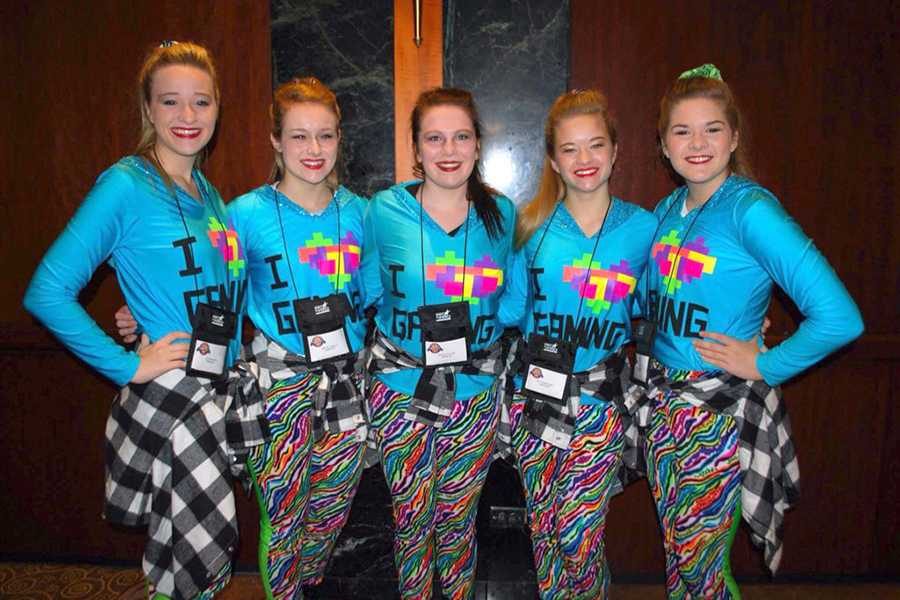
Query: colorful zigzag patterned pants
[435,478]
[304,489]
[694,473]
[567,494]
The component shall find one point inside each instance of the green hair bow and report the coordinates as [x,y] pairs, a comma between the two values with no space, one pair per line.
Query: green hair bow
[708,70]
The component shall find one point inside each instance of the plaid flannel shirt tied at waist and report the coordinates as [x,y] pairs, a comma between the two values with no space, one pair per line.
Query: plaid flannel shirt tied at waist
[435,393]
[173,447]
[338,401]
[554,420]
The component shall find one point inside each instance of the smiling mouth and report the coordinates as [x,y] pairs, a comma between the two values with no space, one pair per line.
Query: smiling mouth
[698,160]
[314,165]
[586,172]
[188,133]
[448,167]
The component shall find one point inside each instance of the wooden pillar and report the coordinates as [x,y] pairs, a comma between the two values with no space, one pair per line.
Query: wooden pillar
[416,68]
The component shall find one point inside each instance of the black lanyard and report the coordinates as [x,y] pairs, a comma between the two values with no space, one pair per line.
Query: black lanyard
[339,268]
[673,271]
[422,243]
[593,251]
[204,199]
[589,265]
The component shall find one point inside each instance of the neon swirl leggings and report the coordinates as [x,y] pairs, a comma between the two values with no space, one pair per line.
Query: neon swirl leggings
[435,478]
[567,495]
[304,489]
[694,474]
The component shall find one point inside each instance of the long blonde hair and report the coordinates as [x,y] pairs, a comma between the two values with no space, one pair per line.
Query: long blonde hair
[169,53]
[298,91]
[551,188]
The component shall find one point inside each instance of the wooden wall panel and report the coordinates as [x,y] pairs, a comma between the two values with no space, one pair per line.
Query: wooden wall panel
[818,85]
[416,69]
[68,112]
[886,551]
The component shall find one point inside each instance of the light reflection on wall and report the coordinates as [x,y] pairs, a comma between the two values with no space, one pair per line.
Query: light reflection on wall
[514,57]
[499,169]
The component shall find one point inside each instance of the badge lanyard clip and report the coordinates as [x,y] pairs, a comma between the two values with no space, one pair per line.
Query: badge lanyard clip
[446,328]
[551,361]
[321,321]
[213,327]
[644,331]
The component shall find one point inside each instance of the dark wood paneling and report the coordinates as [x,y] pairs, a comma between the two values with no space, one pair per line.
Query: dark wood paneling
[68,111]
[886,550]
[74,109]
[818,85]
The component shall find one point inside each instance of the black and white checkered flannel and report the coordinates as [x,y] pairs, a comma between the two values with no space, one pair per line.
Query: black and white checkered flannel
[770,482]
[338,404]
[435,393]
[173,448]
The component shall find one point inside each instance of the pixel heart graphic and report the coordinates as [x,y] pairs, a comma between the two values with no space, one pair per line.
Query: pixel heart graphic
[481,280]
[601,288]
[690,261]
[336,261]
[226,240]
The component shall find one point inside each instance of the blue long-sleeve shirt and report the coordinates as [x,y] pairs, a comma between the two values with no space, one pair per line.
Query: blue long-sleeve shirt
[132,219]
[311,266]
[547,281]
[393,271]
[737,247]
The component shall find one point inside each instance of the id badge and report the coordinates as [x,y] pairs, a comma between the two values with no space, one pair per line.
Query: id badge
[214,329]
[644,333]
[323,329]
[549,368]
[446,333]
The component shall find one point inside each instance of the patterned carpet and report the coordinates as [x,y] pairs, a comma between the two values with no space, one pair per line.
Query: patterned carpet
[29,581]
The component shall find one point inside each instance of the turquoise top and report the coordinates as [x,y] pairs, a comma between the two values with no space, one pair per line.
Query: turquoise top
[738,244]
[311,267]
[393,272]
[132,218]
[550,279]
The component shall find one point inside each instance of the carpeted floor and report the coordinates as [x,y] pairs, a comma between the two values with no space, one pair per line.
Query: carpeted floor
[29,581]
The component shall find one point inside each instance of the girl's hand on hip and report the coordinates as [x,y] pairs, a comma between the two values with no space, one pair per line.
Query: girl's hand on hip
[161,356]
[735,356]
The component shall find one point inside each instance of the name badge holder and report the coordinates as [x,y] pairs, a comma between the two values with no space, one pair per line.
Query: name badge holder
[323,328]
[446,334]
[213,327]
[550,363]
[644,333]
[213,330]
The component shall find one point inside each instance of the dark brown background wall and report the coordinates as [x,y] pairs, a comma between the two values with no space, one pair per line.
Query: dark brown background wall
[818,83]
[68,111]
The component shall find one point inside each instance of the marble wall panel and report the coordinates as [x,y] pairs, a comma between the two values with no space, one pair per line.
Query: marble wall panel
[350,47]
[514,56]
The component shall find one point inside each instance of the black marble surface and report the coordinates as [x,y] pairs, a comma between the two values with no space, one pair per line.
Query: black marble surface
[514,56]
[362,565]
[350,47]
